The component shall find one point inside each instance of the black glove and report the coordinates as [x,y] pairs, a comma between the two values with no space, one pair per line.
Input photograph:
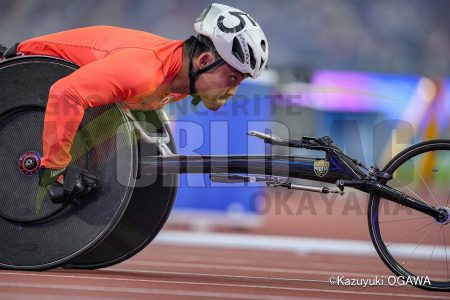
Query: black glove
[50,176]
[67,184]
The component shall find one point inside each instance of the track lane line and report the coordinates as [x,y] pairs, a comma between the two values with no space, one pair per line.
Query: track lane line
[180,293]
[284,243]
[256,261]
[247,268]
[33,296]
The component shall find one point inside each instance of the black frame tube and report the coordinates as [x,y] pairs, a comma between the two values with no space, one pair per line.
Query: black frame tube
[277,165]
[341,168]
[396,196]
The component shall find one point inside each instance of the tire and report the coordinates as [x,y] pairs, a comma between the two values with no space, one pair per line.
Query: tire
[421,171]
[143,219]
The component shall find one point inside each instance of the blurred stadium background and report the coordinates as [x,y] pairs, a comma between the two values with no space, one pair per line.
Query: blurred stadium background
[372,74]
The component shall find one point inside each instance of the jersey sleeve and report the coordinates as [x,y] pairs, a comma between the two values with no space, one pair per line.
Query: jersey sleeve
[120,76]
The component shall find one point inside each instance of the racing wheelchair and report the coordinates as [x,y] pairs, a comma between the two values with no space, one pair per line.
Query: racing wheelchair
[139,168]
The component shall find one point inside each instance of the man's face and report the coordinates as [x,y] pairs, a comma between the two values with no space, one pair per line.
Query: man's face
[219,84]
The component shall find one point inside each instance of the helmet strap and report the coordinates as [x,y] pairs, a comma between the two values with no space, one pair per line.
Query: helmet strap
[194,75]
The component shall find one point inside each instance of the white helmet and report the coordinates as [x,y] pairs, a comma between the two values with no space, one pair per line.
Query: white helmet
[236,36]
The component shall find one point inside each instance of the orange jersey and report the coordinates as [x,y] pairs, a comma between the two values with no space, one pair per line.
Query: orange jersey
[116,64]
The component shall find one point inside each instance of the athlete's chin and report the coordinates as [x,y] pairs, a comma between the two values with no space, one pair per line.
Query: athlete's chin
[214,108]
[212,104]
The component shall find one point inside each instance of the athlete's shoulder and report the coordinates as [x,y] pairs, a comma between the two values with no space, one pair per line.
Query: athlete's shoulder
[104,28]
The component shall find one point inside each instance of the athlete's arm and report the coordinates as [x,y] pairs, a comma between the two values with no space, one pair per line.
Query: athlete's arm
[124,75]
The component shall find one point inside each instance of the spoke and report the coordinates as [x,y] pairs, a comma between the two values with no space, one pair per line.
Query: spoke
[412,192]
[446,261]
[414,250]
[401,220]
[432,252]
[426,185]
[408,235]
[446,204]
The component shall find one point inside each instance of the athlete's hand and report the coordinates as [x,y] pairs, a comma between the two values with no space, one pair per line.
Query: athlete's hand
[50,176]
[66,184]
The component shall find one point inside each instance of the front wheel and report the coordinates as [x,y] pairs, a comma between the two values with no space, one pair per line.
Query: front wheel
[413,245]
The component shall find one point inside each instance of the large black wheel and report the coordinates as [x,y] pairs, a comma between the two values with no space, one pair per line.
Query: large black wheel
[415,246]
[35,233]
[150,206]
[121,218]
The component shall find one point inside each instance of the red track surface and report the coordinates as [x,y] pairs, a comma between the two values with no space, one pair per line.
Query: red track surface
[163,272]
[180,272]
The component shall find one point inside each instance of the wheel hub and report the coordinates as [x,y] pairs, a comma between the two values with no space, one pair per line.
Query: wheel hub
[29,162]
[444,216]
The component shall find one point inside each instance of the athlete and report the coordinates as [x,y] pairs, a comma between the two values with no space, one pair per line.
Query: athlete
[144,72]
